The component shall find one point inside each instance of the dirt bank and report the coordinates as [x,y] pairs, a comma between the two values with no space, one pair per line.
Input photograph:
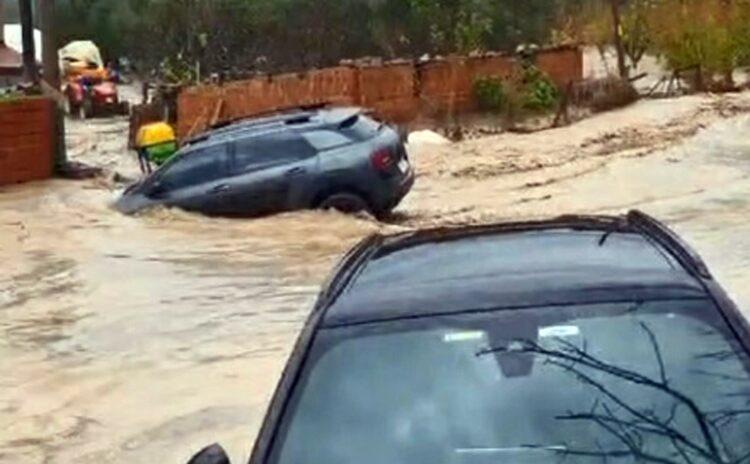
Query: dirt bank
[645,127]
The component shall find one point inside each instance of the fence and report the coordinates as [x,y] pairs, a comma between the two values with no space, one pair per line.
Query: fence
[397,91]
[27,140]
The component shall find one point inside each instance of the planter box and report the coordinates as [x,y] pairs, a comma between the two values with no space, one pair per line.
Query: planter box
[26,140]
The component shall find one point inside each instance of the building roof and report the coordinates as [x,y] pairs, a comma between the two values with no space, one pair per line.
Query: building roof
[11,62]
[476,269]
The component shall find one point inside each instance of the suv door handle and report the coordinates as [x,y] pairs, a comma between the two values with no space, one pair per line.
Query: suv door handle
[295,172]
[219,188]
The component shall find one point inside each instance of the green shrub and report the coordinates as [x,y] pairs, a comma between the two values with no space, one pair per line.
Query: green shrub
[529,90]
[540,94]
[490,93]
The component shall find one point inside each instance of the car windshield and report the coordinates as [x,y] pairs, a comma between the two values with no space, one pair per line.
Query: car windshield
[658,381]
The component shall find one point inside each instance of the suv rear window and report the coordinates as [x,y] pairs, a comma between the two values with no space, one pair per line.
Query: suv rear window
[323,140]
[592,383]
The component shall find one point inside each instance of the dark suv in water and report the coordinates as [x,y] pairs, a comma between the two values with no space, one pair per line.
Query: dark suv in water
[580,339]
[325,158]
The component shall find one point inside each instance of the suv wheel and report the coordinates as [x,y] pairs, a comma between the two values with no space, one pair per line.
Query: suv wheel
[345,203]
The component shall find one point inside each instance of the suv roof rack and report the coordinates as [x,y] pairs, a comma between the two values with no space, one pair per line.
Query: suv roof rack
[288,116]
[656,230]
[250,123]
[279,113]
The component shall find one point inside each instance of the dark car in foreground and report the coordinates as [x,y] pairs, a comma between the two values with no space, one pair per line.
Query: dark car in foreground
[579,339]
[324,158]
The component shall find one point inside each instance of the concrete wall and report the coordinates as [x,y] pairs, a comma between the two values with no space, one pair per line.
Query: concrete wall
[397,91]
[26,140]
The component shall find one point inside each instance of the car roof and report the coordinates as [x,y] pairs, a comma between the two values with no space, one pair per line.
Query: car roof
[296,119]
[573,260]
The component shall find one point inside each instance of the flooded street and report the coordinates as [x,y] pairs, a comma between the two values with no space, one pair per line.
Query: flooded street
[141,339]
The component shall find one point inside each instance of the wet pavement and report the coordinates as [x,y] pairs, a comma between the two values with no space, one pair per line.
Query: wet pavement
[140,339]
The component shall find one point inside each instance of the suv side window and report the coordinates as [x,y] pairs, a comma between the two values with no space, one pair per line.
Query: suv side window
[200,166]
[326,139]
[279,147]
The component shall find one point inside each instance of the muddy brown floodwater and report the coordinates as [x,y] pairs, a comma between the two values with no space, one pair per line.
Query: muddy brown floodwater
[140,339]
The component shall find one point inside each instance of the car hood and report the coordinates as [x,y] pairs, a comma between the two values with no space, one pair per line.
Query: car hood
[133,200]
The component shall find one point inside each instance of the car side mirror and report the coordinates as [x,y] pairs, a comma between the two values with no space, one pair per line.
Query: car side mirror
[157,189]
[213,454]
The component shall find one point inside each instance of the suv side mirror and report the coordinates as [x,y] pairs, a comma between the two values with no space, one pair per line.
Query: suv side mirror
[157,189]
[213,454]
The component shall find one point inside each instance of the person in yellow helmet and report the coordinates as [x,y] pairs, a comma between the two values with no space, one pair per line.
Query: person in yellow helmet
[155,143]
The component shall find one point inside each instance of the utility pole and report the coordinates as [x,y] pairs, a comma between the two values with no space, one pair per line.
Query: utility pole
[617,25]
[50,63]
[27,39]
[51,76]
[2,24]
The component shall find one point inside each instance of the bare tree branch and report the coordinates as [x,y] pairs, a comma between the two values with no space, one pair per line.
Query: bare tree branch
[657,352]
[641,422]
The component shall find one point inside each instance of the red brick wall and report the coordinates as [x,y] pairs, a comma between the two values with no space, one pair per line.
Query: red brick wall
[198,106]
[26,140]
[397,92]
[390,91]
[445,86]
[563,64]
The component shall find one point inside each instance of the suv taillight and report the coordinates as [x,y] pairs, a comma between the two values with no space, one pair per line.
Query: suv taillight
[383,160]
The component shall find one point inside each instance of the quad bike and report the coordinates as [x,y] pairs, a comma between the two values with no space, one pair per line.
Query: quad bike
[90,87]
[90,96]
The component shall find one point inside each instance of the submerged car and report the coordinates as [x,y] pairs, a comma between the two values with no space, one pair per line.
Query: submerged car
[579,339]
[327,158]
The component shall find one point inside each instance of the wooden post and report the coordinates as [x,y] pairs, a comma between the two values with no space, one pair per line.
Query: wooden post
[27,38]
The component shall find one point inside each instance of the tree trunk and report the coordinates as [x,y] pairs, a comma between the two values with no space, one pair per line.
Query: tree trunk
[725,15]
[616,23]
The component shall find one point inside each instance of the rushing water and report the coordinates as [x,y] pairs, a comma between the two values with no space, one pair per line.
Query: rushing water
[140,339]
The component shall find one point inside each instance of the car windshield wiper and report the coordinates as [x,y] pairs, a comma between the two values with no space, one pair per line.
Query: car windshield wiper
[513,449]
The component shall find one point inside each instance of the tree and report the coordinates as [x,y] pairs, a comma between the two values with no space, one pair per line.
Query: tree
[282,35]
[636,36]
[615,5]
[707,37]
[455,25]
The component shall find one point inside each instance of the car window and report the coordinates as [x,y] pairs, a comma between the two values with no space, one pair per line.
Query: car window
[534,385]
[269,149]
[197,167]
[326,139]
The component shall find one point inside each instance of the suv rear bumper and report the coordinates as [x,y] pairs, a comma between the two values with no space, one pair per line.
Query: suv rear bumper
[398,188]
